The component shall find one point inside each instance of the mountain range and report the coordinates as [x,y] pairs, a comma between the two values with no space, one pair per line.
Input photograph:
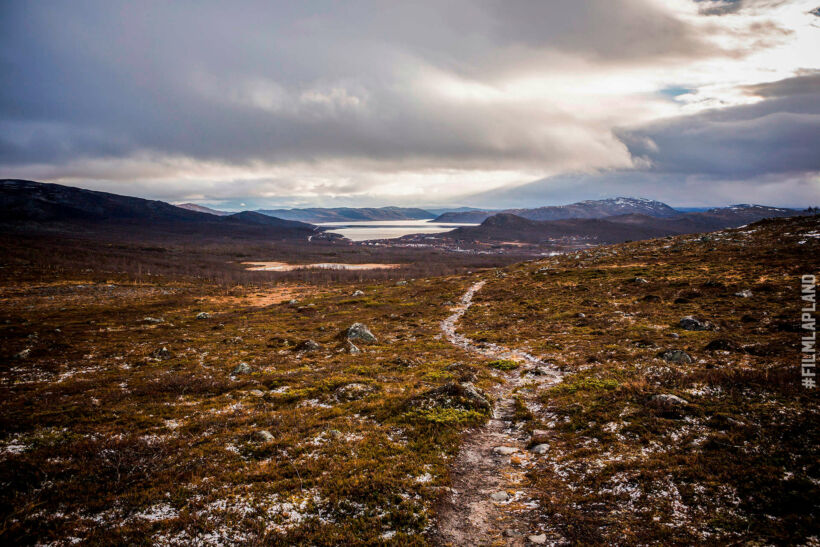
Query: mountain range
[583,209]
[349,214]
[35,206]
[506,227]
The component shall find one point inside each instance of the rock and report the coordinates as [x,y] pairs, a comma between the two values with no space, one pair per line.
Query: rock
[263,436]
[357,293]
[580,315]
[293,302]
[744,294]
[540,539]
[510,533]
[162,353]
[308,346]
[500,496]
[23,354]
[335,433]
[353,392]
[358,331]
[540,448]
[153,320]
[539,436]
[721,345]
[203,315]
[651,298]
[453,395]
[352,349]
[667,402]
[690,323]
[640,280]
[257,393]
[675,356]
[505,450]
[241,368]
[674,335]
[538,371]
[401,283]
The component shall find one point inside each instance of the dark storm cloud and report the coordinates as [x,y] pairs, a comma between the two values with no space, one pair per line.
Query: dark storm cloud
[284,81]
[779,134]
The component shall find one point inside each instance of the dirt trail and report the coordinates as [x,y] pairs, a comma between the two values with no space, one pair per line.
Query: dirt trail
[474,512]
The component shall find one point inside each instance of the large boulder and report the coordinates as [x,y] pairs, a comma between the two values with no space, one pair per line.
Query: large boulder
[360,332]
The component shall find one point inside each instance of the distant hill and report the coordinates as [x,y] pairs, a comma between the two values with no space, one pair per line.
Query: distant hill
[349,214]
[613,229]
[30,205]
[202,209]
[584,209]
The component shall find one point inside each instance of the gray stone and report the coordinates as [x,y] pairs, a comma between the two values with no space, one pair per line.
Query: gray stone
[308,346]
[640,280]
[352,348]
[540,448]
[690,323]
[453,395]
[357,293]
[203,315]
[500,496]
[153,319]
[744,294]
[539,436]
[358,331]
[505,450]
[241,368]
[161,353]
[667,402]
[353,391]
[540,539]
[263,436]
[676,356]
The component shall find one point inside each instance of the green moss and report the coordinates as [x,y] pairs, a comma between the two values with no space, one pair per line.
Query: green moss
[503,364]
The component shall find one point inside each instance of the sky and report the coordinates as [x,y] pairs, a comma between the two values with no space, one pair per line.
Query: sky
[486,103]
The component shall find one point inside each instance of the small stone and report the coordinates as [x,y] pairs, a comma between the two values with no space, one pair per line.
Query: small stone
[241,368]
[352,348]
[335,433]
[744,294]
[539,436]
[676,356]
[359,331]
[500,496]
[203,315]
[505,450]
[690,323]
[357,293]
[161,353]
[308,346]
[257,393]
[667,402]
[263,436]
[580,315]
[540,539]
[401,283]
[153,319]
[540,448]
[293,302]
[23,354]
[640,280]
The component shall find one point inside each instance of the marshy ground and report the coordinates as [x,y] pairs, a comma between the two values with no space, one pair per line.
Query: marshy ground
[172,411]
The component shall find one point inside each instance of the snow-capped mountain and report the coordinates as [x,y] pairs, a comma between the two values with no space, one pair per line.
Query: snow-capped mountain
[600,208]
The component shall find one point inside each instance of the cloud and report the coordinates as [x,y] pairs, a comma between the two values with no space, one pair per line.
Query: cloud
[366,100]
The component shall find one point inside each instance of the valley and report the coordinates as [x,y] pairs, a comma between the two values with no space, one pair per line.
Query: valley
[563,402]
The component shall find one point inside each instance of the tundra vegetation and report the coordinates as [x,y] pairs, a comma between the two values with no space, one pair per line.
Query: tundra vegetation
[147,402]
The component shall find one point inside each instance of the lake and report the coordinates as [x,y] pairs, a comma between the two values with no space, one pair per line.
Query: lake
[388,229]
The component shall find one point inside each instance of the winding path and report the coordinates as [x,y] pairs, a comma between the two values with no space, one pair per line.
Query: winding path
[493,458]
